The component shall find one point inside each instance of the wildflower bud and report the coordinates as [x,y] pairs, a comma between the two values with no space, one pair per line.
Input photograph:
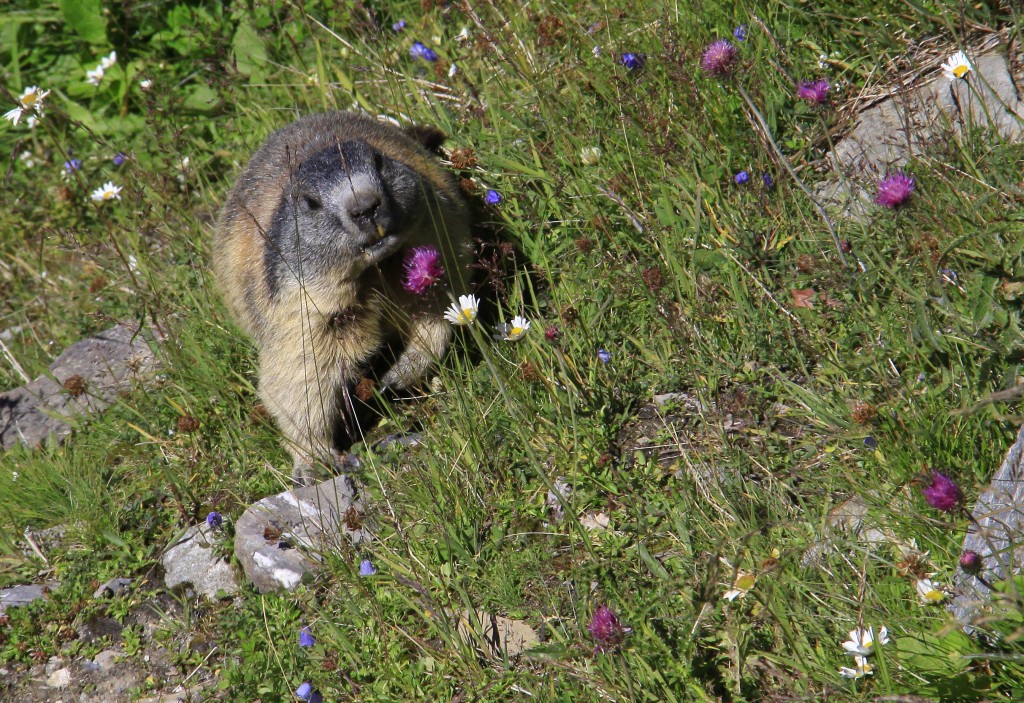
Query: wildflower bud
[214,519]
[895,189]
[942,494]
[606,628]
[719,59]
[970,562]
[422,269]
[814,91]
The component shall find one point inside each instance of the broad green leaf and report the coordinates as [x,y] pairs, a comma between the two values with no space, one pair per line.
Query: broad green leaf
[86,18]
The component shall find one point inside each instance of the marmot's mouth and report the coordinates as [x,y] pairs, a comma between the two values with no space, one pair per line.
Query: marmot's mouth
[376,251]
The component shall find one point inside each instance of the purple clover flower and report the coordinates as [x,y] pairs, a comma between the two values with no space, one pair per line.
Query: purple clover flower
[422,269]
[742,178]
[419,50]
[740,33]
[119,159]
[398,26]
[72,165]
[634,62]
[604,355]
[895,189]
[942,494]
[214,519]
[492,197]
[970,562]
[366,568]
[306,638]
[814,91]
[719,59]
[606,629]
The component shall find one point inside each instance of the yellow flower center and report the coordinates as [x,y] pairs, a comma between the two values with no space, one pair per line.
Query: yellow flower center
[933,596]
[29,99]
[961,70]
[516,331]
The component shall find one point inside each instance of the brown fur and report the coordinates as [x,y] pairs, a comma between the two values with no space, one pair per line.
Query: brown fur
[317,332]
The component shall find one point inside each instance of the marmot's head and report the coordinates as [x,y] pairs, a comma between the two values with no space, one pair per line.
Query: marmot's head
[349,202]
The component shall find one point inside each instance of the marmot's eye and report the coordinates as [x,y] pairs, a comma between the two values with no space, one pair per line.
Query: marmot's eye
[312,202]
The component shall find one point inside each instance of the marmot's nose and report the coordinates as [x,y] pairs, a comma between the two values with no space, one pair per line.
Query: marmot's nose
[363,206]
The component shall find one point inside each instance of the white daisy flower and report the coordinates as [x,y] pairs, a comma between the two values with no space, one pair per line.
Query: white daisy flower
[957,66]
[145,84]
[464,312]
[109,60]
[929,592]
[861,669]
[30,100]
[862,642]
[95,76]
[741,586]
[515,330]
[109,191]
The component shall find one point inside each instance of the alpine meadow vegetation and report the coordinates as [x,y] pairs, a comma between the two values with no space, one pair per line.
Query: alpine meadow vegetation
[673,370]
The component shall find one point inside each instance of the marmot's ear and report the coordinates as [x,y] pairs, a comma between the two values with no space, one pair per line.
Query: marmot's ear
[430,137]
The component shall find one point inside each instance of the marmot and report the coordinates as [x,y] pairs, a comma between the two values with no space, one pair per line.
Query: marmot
[309,254]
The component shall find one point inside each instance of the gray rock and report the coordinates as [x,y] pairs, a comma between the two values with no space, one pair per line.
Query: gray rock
[105,660]
[496,636]
[96,368]
[113,587]
[896,129]
[852,522]
[61,678]
[23,595]
[996,533]
[194,560]
[281,538]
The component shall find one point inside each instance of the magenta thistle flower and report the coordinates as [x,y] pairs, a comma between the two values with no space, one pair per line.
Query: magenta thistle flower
[422,269]
[942,494]
[719,58]
[606,628]
[814,91]
[970,562]
[894,189]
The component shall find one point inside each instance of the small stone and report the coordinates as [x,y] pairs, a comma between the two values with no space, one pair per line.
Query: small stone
[59,679]
[113,587]
[498,637]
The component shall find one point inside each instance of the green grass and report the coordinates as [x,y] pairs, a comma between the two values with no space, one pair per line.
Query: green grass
[652,254]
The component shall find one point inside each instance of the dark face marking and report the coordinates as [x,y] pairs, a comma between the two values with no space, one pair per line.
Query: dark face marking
[346,207]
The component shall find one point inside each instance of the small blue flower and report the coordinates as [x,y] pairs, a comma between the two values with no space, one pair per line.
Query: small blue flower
[214,519]
[306,638]
[742,178]
[304,691]
[870,442]
[740,33]
[766,178]
[366,568]
[634,62]
[493,197]
[398,26]
[419,50]
[119,158]
[72,165]
[604,355]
